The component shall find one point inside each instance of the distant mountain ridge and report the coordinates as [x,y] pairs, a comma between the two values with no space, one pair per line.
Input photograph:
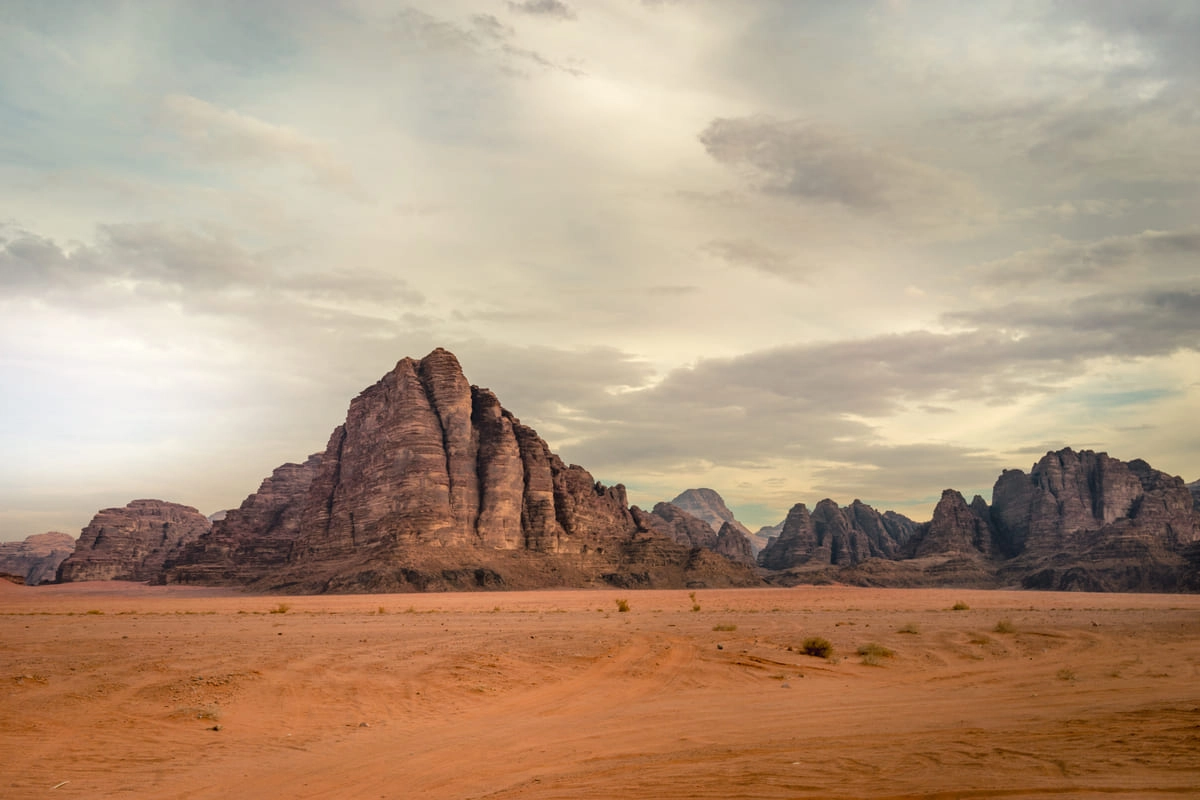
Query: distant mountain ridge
[430,484]
[1077,520]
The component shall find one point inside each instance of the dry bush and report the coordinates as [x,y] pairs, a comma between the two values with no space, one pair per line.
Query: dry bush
[622,605]
[817,646]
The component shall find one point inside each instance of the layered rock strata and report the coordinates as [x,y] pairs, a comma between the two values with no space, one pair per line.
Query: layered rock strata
[428,484]
[830,535]
[36,559]
[132,543]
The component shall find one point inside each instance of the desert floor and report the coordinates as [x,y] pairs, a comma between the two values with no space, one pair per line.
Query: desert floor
[126,690]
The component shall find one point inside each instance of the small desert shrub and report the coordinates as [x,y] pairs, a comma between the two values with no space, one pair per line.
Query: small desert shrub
[960,606]
[381,610]
[1065,674]
[1004,626]
[281,608]
[726,628]
[909,628]
[622,605]
[95,611]
[695,604]
[873,654]
[818,647]
[876,650]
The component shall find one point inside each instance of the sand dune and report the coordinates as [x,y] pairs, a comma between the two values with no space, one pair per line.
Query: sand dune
[113,690]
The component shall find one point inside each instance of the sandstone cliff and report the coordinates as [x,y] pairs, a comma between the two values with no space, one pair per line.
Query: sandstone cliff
[36,559]
[830,535]
[1083,520]
[430,483]
[132,543]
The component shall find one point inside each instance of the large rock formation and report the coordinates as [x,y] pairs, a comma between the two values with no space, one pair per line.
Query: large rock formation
[430,483]
[955,528]
[1082,521]
[1087,521]
[132,543]
[248,541]
[708,505]
[836,536]
[36,559]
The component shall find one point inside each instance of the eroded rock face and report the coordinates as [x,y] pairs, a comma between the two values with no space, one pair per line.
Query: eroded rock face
[428,484]
[1069,496]
[955,528]
[132,543]
[678,525]
[836,536]
[252,539]
[37,557]
[708,505]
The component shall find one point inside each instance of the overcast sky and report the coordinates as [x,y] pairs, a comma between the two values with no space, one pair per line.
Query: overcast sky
[786,250]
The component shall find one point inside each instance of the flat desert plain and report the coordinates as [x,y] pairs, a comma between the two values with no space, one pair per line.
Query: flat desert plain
[126,690]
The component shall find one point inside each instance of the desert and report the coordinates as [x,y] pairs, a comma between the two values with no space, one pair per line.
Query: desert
[118,689]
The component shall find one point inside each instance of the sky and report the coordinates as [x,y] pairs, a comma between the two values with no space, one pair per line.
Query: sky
[785,250]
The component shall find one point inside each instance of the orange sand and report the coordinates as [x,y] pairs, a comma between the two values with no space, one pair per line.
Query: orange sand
[113,690]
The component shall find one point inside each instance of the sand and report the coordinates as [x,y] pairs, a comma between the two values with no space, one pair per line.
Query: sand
[125,690]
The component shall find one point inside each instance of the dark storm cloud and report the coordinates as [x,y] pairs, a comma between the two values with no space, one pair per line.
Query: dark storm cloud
[543,8]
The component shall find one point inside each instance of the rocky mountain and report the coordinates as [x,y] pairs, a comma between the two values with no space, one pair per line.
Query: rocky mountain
[1077,520]
[1194,488]
[132,543]
[835,536]
[430,483]
[708,505]
[35,559]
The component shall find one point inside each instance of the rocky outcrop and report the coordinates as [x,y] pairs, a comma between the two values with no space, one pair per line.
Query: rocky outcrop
[734,545]
[430,483]
[253,539]
[132,543]
[830,535]
[1194,488]
[955,528]
[36,559]
[677,525]
[708,505]
[1083,520]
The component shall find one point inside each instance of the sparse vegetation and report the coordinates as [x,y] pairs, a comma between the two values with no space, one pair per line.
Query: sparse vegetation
[281,608]
[381,610]
[94,611]
[818,647]
[909,628]
[1004,626]
[695,605]
[876,650]
[1065,674]
[622,605]
[960,606]
[725,628]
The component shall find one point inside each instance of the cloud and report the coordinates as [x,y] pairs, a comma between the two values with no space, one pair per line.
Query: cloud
[751,254]
[204,268]
[820,163]
[543,8]
[226,136]
[1136,258]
